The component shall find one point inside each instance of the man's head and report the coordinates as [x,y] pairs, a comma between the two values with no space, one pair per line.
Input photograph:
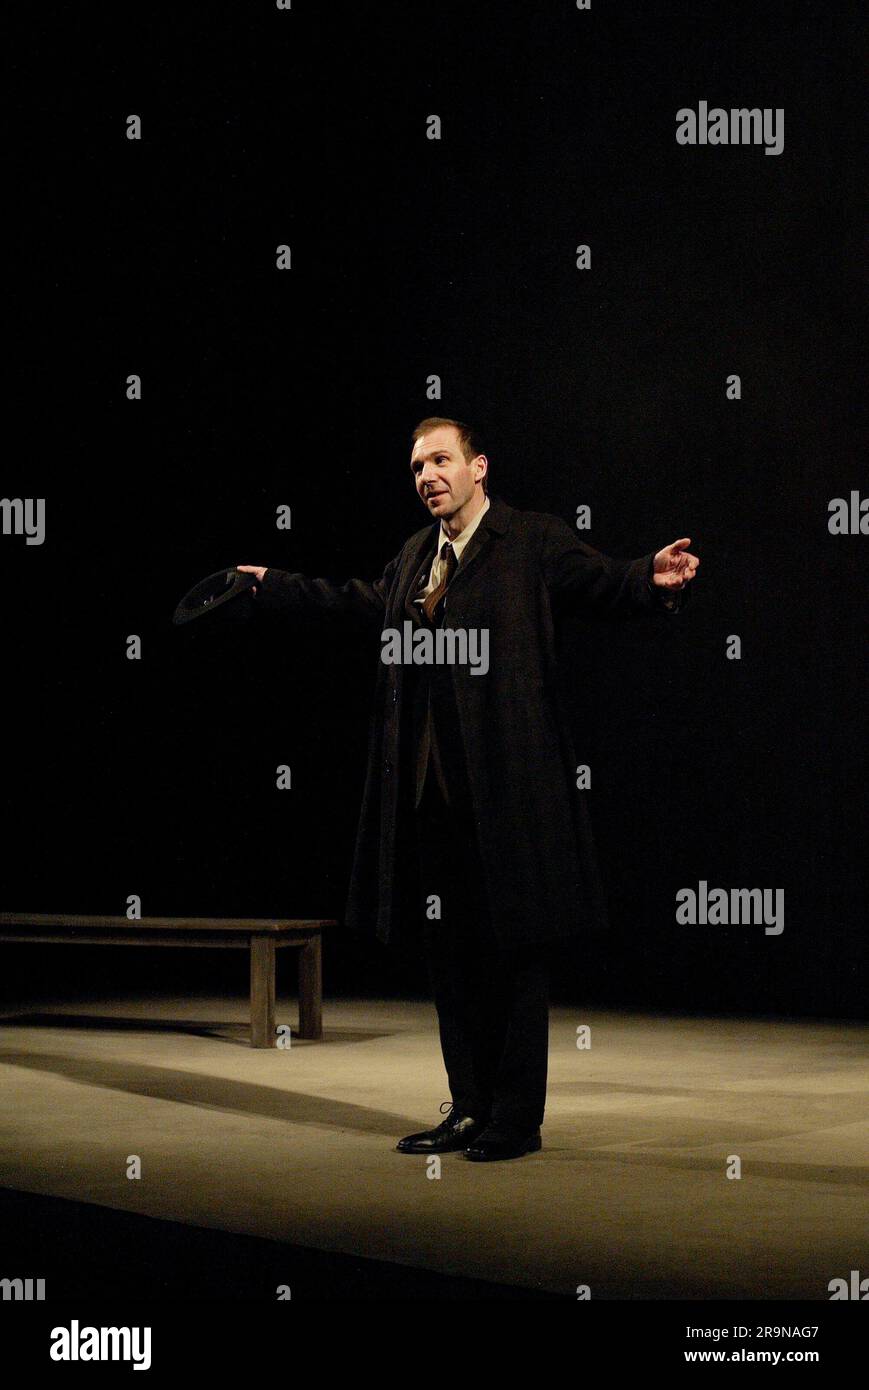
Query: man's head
[449,468]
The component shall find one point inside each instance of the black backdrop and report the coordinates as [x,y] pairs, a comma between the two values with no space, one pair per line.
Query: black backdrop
[413,257]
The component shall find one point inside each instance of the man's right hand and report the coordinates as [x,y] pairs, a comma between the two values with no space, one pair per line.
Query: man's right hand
[258,570]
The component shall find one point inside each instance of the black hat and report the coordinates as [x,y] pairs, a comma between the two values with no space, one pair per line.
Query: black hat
[215,594]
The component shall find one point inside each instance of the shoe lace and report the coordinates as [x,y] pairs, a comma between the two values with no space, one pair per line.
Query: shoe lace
[451,1113]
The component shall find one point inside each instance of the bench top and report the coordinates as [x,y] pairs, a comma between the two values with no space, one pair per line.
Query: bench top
[270,925]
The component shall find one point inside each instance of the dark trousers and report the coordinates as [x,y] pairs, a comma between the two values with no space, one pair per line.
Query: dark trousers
[492,1002]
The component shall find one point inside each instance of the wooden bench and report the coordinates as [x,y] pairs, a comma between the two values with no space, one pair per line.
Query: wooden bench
[261,936]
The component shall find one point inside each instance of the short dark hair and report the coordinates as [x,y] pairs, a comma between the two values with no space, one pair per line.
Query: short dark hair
[469,438]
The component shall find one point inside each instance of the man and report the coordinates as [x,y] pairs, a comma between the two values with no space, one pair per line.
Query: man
[472,836]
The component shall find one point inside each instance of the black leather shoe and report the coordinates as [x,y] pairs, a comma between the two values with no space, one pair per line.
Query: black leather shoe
[499,1142]
[451,1135]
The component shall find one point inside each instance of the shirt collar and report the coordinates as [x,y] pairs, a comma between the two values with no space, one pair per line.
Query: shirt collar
[462,539]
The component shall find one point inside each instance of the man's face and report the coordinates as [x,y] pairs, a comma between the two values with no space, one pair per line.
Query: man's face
[444,478]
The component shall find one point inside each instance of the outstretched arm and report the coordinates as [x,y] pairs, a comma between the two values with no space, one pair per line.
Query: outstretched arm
[579,575]
[297,595]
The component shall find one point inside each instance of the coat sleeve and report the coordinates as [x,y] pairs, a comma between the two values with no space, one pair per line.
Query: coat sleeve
[298,596]
[582,578]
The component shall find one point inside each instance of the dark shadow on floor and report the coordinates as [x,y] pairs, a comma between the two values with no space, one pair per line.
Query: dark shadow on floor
[85,1251]
[219,1093]
[236,1033]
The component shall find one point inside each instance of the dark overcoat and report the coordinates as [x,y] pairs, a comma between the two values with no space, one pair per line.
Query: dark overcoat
[518,573]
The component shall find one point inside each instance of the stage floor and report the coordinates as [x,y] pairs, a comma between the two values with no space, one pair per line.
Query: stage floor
[629,1194]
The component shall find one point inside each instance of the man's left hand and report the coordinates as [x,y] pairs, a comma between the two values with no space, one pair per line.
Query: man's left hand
[675,566]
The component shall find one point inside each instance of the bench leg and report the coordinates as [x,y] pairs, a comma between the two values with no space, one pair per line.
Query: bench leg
[262,992]
[311,990]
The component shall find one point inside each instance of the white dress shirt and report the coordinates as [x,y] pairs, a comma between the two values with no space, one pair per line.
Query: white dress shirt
[458,544]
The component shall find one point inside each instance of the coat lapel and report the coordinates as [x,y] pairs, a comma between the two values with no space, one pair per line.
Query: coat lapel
[495,523]
[419,564]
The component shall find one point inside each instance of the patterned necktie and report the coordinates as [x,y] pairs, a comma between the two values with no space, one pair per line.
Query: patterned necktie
[450,565]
